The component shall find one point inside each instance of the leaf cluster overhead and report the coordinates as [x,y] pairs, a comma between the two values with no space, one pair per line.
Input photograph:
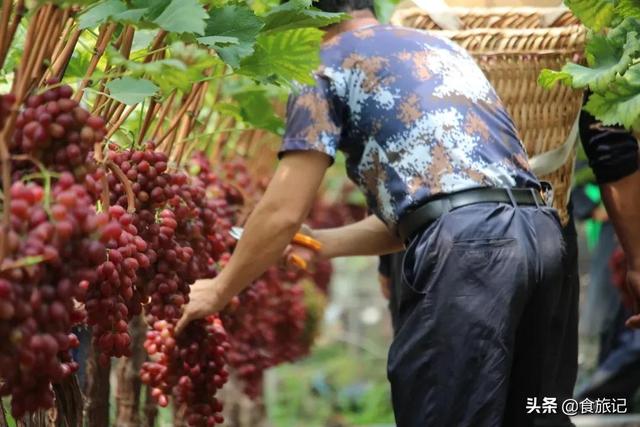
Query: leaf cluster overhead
[612,61]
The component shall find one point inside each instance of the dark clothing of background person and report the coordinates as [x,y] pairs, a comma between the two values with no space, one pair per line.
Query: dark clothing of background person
[612,151]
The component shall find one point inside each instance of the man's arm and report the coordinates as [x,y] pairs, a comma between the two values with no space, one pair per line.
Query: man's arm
[622,200]
[268,231]
[367,237]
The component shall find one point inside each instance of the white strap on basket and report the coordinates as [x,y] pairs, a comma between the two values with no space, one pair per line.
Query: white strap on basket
[440,13]
[448,18]
[552,160]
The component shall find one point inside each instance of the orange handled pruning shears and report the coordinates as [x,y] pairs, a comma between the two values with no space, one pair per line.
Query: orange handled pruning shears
[298,239]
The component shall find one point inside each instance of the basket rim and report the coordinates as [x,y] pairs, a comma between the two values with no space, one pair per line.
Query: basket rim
[487,10]
[508,32]
[548,16]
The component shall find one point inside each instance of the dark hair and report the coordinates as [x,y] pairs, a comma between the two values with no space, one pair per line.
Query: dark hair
[343,5]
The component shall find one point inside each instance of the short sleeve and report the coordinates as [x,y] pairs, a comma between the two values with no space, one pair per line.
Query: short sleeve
[612,151]
[313,120]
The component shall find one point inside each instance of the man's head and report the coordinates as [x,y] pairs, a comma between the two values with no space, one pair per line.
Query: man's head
[343,5]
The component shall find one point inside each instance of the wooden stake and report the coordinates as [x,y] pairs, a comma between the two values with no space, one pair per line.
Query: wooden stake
[101,45]
[11,33]
[69,402]
[188,101]
[61,60]
[113,128]
[166,106]
[129,387]
[152,110]
[7,5]
[96,408]
[182,134]
[150,410]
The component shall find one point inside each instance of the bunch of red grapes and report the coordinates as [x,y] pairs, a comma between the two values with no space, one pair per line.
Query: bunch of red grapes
[51,253]
[180,221]
[265,324]
[111,300]
[190,367]
[177,221]
[56,130]
[224,198]
[128,258]
[155,225]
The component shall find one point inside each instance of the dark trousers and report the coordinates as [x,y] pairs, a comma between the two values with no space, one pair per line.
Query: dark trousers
[486,320]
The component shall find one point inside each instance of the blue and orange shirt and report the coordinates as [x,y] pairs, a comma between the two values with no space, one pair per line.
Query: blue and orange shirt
[414,115]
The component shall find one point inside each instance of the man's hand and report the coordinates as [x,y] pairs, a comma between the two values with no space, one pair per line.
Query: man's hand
[206,296]
[633,291]
[294,253]
[204,299]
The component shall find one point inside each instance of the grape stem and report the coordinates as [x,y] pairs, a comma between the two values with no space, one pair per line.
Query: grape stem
[99,156]
[131,201]
[45,173]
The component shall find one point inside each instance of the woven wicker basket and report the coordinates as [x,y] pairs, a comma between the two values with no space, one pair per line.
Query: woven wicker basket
[512,46]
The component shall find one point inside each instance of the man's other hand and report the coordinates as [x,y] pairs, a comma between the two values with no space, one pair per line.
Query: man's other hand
[633,291]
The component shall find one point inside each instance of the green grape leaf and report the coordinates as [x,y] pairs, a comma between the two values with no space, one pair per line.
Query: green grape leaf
[618,34]
[131,15]
[142,39]
[236,21]
[548,78]
[100,13]
[620,103]
[228,109]
[77,67]
[628,8]
[131,91]
[256,109]
[384,9]
[606,60]
[154,8]
[183,16]
[298,14]
[285,56]
[595,14]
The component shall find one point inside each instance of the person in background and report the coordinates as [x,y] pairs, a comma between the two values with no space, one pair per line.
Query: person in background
[433,149]
[602,299]
[613,156]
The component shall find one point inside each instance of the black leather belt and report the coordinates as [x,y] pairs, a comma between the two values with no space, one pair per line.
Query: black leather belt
[414,221]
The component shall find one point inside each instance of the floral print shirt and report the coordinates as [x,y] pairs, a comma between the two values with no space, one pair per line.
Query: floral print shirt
[414,115]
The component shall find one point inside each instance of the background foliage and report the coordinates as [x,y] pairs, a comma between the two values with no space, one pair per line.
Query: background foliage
[612,69]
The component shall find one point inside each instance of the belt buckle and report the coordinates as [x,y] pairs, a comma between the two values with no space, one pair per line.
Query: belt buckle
[547,192]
